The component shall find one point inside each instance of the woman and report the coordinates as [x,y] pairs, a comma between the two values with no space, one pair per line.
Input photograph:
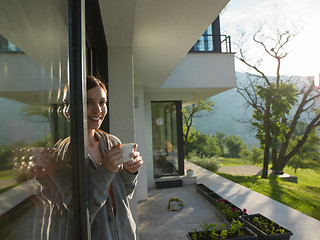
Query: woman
[111,182]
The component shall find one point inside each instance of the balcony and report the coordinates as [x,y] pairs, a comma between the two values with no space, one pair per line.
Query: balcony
[209,43]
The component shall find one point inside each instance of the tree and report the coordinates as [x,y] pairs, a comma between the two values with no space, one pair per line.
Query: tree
[202,144]
[273,98]
[191,112]
[221,142]
[308,155]
[235,145]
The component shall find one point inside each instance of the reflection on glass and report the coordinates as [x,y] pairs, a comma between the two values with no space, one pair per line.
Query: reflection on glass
[164,132]
[205,42]
[33,71]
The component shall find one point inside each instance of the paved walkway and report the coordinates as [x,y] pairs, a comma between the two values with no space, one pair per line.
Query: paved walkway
[4,183]
[243,170]
[153,216]
[156,222]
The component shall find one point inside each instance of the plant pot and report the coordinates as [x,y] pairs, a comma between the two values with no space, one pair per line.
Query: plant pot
[248,221]
[249,235]
[189,173]
[175,206]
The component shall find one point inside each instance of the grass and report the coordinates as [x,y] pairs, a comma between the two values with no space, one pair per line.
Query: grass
[232,161]
[302,196]
[7,174]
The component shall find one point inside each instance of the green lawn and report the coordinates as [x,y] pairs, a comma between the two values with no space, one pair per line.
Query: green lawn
[302,196]
[7,174]
[232,161]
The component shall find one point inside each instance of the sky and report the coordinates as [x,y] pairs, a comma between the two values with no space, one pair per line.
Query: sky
[304,56]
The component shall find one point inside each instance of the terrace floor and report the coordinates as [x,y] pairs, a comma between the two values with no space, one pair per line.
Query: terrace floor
[156,222]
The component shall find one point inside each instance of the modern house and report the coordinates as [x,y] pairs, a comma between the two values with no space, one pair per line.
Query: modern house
[156,57]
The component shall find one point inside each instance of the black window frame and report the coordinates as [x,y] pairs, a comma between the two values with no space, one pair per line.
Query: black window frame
[86,33]
[179,134]
[81,226]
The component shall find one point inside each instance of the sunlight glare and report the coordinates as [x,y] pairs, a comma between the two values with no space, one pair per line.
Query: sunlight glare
[317,80]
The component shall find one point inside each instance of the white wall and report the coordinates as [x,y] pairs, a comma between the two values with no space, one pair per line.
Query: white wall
[148,136]
[140,126]
[121,100]
[203,70]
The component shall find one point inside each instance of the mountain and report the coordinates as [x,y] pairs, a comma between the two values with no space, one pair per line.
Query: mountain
[231,111]
[228,116]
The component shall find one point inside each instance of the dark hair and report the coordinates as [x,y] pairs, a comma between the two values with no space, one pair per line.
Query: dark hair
[93,82]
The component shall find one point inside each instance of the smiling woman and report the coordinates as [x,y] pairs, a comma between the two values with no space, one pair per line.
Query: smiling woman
[96,103]
[111,181]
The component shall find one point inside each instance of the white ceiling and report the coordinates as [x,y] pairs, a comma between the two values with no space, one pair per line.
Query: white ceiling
[160,33]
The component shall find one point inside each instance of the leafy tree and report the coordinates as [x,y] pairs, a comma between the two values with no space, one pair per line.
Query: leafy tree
[256,155]
[273,98]
[212,148]
[221,142]
[191,112]
[202,144]
[235,145]
[308,155]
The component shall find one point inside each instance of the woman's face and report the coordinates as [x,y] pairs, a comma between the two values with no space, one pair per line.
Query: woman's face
[96,107]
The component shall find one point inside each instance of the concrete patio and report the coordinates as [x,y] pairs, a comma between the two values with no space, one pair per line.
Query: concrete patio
[156,222]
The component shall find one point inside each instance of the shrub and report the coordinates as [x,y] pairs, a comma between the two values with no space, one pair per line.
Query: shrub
[210,163]
[256,155]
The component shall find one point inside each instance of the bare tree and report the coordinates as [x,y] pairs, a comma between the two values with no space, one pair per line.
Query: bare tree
[273,98]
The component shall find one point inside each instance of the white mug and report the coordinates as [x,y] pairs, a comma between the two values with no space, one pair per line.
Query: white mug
[127,149]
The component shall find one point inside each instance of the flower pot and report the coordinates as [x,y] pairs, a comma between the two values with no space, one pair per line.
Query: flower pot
[189,173]
[248,235]
[261,233]
[175,206]
[229,210]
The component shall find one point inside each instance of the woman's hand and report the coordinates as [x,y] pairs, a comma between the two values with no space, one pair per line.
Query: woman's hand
[113,159]
[44,161]
[133,165]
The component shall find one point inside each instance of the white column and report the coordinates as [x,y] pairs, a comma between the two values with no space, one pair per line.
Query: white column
[121,100]
[140,129]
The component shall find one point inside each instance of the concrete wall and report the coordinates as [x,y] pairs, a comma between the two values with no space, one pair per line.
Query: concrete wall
[140,130]
[121,100]
[203,70]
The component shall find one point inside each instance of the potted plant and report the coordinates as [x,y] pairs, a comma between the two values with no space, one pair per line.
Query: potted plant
[189,172]
[214,232]
[230,211]
[265,228]
[175,204]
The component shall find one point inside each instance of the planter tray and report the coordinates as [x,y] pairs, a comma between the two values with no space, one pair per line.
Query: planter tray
[213,198]
[262,235]
[203,190]
[250,236]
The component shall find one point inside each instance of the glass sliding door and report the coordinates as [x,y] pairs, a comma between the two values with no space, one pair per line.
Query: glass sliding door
[166,138]
[37,190]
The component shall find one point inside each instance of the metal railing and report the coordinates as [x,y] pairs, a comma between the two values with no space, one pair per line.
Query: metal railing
[212,43]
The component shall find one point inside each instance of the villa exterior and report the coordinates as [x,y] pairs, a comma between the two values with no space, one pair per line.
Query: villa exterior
[147,53]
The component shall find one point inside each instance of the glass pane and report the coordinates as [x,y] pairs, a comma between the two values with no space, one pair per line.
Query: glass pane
[33,72]
[164,136]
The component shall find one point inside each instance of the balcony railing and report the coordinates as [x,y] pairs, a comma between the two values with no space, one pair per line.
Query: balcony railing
[212,43]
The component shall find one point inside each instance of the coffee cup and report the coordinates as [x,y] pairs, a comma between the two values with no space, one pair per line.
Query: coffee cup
[127,149]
